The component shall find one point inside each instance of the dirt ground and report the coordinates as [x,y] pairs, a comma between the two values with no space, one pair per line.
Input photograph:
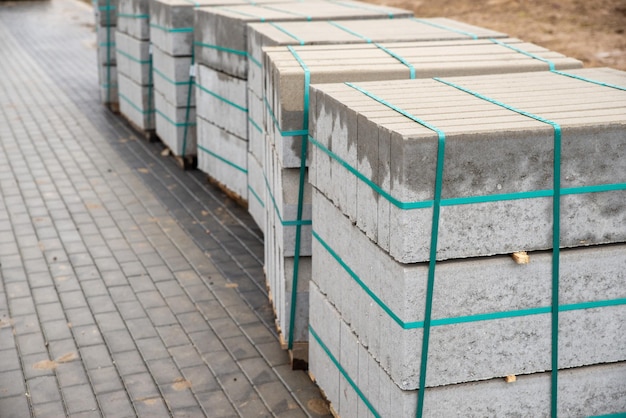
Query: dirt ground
[593,31]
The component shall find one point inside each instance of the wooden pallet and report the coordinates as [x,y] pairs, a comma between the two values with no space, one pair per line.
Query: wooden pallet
[232,195]
[185,162]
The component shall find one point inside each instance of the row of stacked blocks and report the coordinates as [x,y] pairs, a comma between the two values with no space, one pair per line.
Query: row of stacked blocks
[365,224]
[106,27]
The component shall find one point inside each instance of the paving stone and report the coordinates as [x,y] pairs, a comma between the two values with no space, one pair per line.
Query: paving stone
[129,362]
[56,330]
[71,374]
[164,371]
[217,404]
[141,387]
[49,409]
[116,404]
[105,380]
[95,356]
[151,407]
[79,399]
[173,335]
[43,389]
[12,383]
[87,335]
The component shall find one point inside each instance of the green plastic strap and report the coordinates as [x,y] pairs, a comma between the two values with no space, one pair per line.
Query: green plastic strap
[455,201]
[132,58]
[193,3]
[616,415]
[171,30]
[277,9]
[134,106]
[276,124]
[305,127]
[188,107]
[220,48]
[343,372]
[237,12]
[448,28]
[489,316]
[521,51]
[280,218]
[222,159]
[588,80]
[133,16]
[222,99]
[390,15]
[256,126]
[256,196]
[169,80]
[288,33]
[350,31]
[108,9]
[177,124]
[434,236]
[151,86]
[107,86]
[399,58]
[556,220]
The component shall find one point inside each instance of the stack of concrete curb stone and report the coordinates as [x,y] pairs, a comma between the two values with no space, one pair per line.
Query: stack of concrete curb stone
[466,171]
[286,72]
[106,22]
[261,35]
[222,52]
[134,63]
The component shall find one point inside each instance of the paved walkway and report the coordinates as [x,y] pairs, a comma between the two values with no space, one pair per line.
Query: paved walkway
[128,287]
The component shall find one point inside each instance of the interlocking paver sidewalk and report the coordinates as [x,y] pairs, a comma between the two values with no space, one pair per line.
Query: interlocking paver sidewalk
[128,287]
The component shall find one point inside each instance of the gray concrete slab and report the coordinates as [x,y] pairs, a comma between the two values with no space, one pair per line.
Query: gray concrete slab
[583,391]
[585,110]
[134,18]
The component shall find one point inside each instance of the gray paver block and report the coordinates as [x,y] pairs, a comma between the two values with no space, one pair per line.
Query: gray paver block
[224,157]
[172,78]
[222,100]
[170,126]
[256,191]
[261,35]
[225,30]
[519,160]
[284,74]
[579,388]
[133,59]
[479,350]
[133,18]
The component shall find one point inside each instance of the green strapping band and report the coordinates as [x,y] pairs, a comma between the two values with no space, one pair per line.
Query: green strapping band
[133,16]
[399,58]
[108,9]
[237,12]
[521,51]
[390,15]
[276,9]
[350,31]
[448,28]
[276,124]
[151,85]
[489,316]
[434,236]
[177,124]
[220,48]
[221,98]
[280,218]
[617,415]
[344,373]
[222,159]
[455,201]
[256,126]
[286,32]
[588,80]
[132,58]
[256,196]
[188,107]
[305,127]
[171,30]
[556,219]
[134,106]
[169,80]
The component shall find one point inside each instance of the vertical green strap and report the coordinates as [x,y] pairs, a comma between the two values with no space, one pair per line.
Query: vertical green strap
[188,108]
[108,63]
[434,237]
[296,263]
[556,220]
[151,112]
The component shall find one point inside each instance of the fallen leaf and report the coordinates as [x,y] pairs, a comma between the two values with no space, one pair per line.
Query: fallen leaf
[232,285]
[181,384]
[67,358]
[143,170]
[165,152]
[45,365]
